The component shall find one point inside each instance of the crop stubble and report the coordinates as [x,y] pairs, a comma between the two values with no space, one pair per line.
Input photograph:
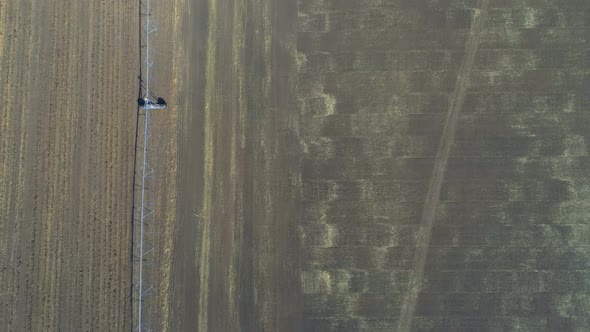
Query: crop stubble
[228,166]
[67,78]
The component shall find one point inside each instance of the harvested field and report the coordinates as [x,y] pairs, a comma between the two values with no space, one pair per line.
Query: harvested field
[442,180]
[66,154]
[324,165]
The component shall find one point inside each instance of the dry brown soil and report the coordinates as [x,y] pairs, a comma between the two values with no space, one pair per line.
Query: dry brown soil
[67,73]
[301,180]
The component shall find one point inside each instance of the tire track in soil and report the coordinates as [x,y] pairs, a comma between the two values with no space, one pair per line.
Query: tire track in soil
[187,230]
[209,126]
[70,302]
[442,155]
[170,198]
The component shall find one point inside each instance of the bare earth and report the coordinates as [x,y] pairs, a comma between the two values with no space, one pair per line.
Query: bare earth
[324,165]
[66,120]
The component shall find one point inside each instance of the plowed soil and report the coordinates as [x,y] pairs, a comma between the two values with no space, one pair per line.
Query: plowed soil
[67,80]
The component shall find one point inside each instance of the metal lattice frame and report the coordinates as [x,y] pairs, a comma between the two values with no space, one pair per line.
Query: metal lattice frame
[144,228]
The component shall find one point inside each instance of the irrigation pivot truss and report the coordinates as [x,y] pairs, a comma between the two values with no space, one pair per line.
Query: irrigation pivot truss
[143,223]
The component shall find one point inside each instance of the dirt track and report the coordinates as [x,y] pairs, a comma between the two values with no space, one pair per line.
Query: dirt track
[441,159]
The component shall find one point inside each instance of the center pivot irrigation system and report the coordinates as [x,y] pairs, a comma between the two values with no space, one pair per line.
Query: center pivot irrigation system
[143,225]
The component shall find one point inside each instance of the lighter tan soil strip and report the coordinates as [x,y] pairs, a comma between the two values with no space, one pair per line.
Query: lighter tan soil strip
[440,165]
[211,101]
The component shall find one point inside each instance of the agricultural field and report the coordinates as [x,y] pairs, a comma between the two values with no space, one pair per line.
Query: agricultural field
[323,165]
[67,81]
[444,166]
